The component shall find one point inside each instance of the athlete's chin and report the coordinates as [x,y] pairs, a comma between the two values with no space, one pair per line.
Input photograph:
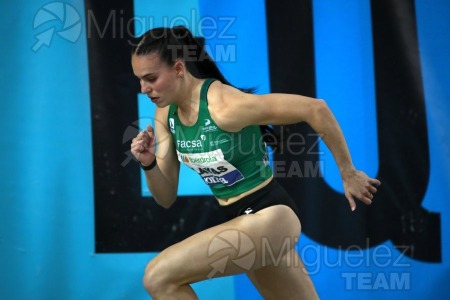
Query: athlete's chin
[161,104]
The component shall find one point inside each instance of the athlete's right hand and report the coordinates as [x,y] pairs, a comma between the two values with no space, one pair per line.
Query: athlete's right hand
[143,146]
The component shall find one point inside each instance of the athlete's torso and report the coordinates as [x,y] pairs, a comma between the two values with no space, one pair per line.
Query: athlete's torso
[231,163]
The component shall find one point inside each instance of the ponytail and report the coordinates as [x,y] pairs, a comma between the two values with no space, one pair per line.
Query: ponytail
[179,43]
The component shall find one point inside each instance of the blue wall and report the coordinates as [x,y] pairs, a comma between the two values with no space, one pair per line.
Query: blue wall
[46,182]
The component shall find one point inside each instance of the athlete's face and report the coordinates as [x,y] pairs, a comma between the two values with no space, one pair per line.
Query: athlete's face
[158,80]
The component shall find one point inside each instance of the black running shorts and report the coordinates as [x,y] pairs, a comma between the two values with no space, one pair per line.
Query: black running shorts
[270,195]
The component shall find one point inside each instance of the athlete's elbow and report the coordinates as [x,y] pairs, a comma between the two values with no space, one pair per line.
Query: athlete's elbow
[319,106]
[164,195]
[165,205]
[319,110]
[166,202]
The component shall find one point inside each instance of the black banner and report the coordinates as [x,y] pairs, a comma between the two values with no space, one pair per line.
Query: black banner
[127,222]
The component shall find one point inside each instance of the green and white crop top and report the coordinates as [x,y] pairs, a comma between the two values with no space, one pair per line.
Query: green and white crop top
[230,163]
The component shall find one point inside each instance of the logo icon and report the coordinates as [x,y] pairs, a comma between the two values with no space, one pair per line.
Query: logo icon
[69,20]
[172,125]
[237,242]
[248,210]
[130,132]
[208,127]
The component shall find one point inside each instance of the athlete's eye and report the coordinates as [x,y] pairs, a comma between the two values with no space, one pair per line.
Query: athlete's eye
[150,79]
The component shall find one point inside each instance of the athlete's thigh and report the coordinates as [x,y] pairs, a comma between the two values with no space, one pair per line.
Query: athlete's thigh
[286,278]
[234,247]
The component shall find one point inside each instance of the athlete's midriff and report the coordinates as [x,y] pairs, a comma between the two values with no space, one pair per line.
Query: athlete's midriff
[225,202]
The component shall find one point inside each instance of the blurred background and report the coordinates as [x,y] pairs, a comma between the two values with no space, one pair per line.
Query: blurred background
[76,220]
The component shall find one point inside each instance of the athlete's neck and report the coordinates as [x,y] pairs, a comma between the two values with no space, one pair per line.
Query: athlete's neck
[189,97]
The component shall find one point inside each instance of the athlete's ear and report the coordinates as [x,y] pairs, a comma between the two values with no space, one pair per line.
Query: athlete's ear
[180,68]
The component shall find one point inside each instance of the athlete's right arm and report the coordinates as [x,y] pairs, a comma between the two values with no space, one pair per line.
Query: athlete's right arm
[162,180]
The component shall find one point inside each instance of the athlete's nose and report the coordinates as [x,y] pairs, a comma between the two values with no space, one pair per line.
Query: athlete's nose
[145,87]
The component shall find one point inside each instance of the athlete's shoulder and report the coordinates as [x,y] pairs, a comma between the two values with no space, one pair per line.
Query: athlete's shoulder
[218,90]
[222,101]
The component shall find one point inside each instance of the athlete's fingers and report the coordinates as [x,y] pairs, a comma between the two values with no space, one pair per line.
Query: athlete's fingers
[135,150]
[145,138]
[375,182]
[351,201]
[139,137]
[137,147]
[372,189]
[137,144]
[150,129]
[367,194]
[143,134]
[366,200]
[150,132]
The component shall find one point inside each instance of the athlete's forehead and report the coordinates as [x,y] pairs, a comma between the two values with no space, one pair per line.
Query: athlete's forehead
[147,65]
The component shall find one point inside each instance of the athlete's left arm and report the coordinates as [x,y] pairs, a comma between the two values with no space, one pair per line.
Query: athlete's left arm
[241,109]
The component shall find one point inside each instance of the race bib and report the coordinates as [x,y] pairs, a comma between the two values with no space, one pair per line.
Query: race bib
[212,167]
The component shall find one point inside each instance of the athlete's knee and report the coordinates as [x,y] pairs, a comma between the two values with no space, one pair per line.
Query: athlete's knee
[160,283]
[155,279]
[293,224]
[149,279]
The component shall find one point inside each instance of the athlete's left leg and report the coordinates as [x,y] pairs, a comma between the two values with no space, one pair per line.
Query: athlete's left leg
[230,248]
[286,278]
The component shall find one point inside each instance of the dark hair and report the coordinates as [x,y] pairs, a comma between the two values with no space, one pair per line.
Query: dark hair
[179,43]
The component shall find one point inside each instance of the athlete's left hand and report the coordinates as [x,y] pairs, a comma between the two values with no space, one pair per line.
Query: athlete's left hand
[358,184]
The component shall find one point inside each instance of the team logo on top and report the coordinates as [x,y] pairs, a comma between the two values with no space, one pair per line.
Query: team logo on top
[172,125]
[208,127]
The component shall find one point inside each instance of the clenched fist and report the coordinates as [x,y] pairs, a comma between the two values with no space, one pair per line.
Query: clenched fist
[143,146]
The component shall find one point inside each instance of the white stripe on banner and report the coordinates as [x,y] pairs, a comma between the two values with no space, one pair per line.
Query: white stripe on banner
[345,79]
[163,13]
